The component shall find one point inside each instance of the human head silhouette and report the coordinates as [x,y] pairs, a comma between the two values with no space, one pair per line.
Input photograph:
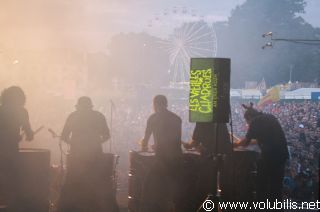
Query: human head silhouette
[84,102]
[160,103]
[250,113]
[13,96]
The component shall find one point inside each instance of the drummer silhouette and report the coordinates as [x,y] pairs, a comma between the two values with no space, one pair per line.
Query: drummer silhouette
[267,131]
[14,119]
[85,130]
[161,184]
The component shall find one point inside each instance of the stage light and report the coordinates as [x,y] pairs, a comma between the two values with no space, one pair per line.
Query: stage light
[267,34]
[269,44]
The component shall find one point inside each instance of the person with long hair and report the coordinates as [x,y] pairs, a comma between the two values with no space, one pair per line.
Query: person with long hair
[14,119]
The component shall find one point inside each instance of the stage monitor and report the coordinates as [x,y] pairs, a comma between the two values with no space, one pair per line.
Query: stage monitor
[209,99]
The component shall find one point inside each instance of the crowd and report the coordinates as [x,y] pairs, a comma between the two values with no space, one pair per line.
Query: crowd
[301,123]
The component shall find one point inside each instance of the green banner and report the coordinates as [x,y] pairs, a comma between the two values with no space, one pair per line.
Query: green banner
[203,99]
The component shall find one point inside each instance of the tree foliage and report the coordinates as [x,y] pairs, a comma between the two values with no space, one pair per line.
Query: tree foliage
[132,59]
[240,38]
[138,58]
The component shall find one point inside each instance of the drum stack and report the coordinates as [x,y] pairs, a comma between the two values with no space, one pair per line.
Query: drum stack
[33,185]
[238,176]
[111,161]
[140,164]
[189,200]
[90,186]
[198,176]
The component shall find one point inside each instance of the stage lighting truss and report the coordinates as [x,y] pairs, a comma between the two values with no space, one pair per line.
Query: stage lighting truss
[273,40]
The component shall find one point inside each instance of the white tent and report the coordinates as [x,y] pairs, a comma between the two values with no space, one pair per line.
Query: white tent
[251,94]
[235,92]
[301,93]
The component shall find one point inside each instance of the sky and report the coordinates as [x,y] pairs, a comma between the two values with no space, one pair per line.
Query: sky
[312,14]
[91,24]
[133,14]
[149,15]
[138,15]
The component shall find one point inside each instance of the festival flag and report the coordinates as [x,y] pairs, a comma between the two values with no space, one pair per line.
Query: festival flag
[273,95]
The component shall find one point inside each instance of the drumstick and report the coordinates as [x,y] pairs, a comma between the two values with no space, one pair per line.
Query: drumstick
[38,130]
[235,137]
[53,133]
[34,132]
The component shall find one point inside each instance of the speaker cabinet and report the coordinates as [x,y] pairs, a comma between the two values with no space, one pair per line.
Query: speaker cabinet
[209,99]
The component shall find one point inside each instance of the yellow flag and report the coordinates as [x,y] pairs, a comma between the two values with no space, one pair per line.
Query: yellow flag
[273,95]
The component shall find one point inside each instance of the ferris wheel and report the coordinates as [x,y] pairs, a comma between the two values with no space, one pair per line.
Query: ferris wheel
[195,39]
[190,36]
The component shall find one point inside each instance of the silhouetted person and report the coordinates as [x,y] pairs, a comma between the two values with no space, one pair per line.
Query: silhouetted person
[14,119]
[267,131]
[161,185]
[212,139]
[85,130]
[165,126]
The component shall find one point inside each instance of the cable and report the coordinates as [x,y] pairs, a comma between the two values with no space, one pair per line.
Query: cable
[305,43]
[299,42]
[296,40]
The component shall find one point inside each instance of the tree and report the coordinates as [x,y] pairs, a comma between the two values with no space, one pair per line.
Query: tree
[240,38]
[137,59]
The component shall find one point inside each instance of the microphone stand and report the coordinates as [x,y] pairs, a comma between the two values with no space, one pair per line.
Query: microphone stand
[219,158]
[111,129]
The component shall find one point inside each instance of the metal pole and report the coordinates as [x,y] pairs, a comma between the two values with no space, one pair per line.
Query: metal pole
[290,75]
[111,133]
